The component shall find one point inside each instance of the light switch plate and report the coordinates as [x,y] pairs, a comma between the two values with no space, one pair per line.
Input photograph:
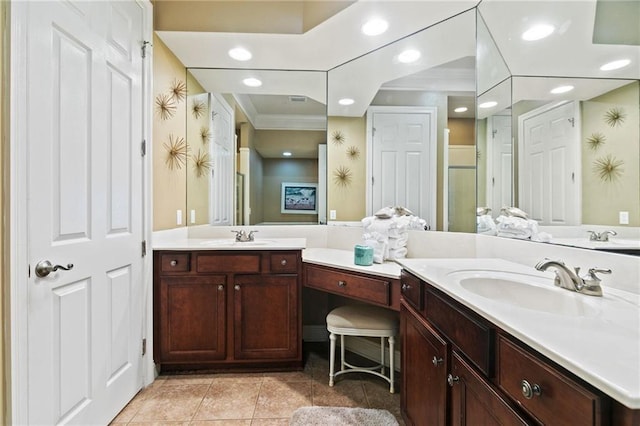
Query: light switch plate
[624,218]
[332,214]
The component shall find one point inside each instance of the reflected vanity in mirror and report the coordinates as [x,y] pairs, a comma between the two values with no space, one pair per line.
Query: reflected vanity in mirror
[575,136]
[253,138]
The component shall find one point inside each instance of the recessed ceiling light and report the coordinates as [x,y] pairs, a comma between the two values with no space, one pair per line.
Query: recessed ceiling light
[461,109]
[252,82]
[561,89]
[286,154]
[346,101]
[615,65]
[489,104]
[375,26]
[240,54]
[408,56]
[538,32]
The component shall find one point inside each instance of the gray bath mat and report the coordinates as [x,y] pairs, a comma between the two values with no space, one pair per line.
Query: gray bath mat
[325,416]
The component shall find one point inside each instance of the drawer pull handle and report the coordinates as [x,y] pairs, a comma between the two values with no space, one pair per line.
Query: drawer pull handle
[173,262]
[529,391]
[283,262]
[236,287]
[452,380]
[405,287]
[220,287]
[436,361]
[342,283]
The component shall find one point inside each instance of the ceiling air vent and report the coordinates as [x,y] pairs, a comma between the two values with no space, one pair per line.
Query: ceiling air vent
[296,98]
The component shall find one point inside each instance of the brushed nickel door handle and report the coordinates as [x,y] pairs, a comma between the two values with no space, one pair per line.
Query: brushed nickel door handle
[44,268]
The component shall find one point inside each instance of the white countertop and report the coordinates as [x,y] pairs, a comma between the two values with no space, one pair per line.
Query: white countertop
[230,244]
[602,347]
[344,259]
[614,243]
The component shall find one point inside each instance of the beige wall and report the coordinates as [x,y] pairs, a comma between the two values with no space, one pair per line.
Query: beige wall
[347,200]
[602,200]
[462,131]
[197,180]
[169,186]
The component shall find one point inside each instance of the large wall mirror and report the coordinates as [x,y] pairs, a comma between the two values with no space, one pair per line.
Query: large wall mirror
[560,127]
[257,133]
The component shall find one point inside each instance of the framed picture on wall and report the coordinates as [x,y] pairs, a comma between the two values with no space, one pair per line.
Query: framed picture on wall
[299,198]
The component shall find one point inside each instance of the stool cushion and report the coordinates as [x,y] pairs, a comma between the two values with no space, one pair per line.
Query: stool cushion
[351,318]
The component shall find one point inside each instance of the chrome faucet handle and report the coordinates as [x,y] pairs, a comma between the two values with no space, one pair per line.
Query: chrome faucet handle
[593,271]
[591,283]
[240,235]
[251,235]
[604,235]
[593,236]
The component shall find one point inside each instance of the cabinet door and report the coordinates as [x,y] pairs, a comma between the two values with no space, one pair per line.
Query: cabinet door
[424,371]
[266,317]
[192,318]
[474,401]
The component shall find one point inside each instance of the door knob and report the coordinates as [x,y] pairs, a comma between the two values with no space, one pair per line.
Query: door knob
[44,268]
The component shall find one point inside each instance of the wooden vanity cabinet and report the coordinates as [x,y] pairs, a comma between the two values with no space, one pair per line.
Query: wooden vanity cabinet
[367,288]
[227,309]
[483,372]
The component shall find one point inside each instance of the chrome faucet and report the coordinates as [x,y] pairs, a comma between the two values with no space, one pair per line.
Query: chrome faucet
[602,236]
[243,237]
[571,280]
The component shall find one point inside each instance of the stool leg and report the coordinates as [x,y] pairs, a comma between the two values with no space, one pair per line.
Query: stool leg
[382,355]
[392,341]
[342,352]
[332,357]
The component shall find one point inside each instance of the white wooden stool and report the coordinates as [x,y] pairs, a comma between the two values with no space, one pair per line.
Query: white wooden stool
[362,320]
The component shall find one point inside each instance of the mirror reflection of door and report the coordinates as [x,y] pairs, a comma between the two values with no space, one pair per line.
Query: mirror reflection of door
[403,142]
[549,164]
[221,199]
[499,176]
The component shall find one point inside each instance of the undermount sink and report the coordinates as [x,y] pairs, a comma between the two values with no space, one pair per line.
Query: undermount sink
[225,242]
[524,291]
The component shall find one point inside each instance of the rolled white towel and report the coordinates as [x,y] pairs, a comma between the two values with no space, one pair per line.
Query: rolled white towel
[398,242]
[397,253]
[379,244]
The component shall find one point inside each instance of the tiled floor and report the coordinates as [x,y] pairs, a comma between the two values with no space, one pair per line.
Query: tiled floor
[253,398]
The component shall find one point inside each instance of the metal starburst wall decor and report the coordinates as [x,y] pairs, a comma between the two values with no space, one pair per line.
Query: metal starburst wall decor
[342,176]
[178,90]
[176,149]
[596,140]
[165,106]
[205,134]
[353,152]
[201,163]
[615,117]
[338,137]
[198,109]
[609,168]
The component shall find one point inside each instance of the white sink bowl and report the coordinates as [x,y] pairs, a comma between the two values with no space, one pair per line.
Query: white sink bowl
[525,292]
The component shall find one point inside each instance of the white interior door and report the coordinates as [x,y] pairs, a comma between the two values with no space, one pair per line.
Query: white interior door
[499,151]
[403,160]
[223,156]
[83,127]
[549,165]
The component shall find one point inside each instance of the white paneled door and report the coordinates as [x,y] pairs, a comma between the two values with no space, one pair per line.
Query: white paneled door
[83,133]
[549,165]
[403,160]
[222,154]
[499,174]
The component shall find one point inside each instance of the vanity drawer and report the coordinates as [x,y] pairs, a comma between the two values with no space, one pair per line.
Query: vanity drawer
[560,400]
[283,262]
[228,262]
[175,262]
[465,329]
[368,289]
[412,290]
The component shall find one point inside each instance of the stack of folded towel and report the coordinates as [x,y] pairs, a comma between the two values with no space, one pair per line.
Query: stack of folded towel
[520,228]
[486,225]
[388,231]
